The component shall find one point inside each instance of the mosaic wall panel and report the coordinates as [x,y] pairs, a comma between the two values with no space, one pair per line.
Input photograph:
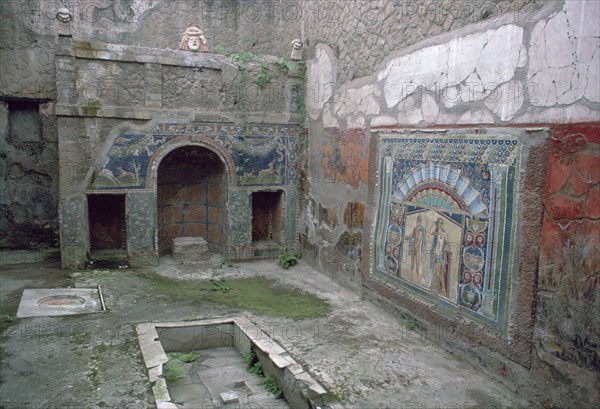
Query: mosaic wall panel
[264,154]
[446,219]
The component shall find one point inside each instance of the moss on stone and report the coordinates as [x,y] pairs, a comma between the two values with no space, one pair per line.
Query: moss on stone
[258,294]
[91,108]
[86,49]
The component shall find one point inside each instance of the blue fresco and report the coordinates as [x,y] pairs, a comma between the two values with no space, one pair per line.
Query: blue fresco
[263,154]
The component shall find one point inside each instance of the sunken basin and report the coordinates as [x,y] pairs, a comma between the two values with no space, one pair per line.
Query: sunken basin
[300,389]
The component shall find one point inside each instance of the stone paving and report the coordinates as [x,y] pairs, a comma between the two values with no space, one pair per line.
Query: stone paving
[216,372]
[367,357]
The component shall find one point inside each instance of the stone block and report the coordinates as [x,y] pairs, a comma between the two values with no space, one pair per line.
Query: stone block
[190,249]
[229,397]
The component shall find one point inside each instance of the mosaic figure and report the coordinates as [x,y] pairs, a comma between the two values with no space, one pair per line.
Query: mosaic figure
[417,248]
[440,260]
[460,197]
[193,40]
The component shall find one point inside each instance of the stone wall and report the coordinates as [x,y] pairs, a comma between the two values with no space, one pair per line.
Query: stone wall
[455,84]
[29,175]
[123,109]
[364,33]
[28,45]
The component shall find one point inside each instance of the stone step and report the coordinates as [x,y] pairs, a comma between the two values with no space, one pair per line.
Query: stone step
[190,250]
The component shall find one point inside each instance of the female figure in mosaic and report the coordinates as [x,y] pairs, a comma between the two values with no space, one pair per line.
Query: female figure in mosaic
[439,258]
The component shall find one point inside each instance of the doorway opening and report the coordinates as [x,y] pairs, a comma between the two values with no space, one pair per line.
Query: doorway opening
[191,198]
[267,222]
[108,228]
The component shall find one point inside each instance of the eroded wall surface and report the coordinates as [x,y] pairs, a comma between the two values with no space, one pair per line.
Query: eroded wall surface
[369,137]
[28,45]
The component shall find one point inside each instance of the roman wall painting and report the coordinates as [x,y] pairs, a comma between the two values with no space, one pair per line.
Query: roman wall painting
[446,219]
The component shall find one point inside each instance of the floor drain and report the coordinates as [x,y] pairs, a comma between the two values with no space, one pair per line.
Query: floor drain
[48,302]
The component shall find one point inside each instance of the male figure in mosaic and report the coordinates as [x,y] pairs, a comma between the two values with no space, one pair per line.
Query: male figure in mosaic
[417,249]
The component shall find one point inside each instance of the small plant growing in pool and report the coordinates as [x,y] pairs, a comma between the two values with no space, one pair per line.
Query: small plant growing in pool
[249,358]
[272,387]
[256,368]
[188,357]
[10,318]
[252,363]
[173,371]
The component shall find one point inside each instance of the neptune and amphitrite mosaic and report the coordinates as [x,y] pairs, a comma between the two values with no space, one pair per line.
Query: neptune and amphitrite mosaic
[445,222]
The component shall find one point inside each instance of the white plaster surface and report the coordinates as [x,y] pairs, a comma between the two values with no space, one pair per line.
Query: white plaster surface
[409,111]
[358,101]
[429,108]
[321,79]
[563,64]
[495,75]
[48,302]
[506,100]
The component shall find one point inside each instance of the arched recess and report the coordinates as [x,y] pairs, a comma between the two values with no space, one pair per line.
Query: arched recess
[190,179]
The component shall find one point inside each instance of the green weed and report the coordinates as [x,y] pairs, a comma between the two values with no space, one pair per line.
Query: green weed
[249,358]
[410,325]
[288,260]
[186,357]
[272,387]
[220,285]
[264,78]
[10,318]
[259,294]
[173,371]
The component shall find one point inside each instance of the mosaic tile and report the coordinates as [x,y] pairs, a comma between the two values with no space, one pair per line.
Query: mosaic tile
[446,219]
[264,154]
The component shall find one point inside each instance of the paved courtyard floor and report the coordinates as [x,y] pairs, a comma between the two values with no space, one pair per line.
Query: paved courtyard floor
[365,356]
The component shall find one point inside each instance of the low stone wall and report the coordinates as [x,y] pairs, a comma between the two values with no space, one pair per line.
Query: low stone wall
[299,388]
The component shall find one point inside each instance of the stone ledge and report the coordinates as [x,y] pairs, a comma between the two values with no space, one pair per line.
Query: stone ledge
[190,250]
[119,52]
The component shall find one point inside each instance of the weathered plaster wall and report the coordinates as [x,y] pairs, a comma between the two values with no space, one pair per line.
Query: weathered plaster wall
[29,176]
[534,73]
[568,324]
[365,33]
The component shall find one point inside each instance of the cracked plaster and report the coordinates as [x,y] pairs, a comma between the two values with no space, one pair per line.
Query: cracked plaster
[465,82]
